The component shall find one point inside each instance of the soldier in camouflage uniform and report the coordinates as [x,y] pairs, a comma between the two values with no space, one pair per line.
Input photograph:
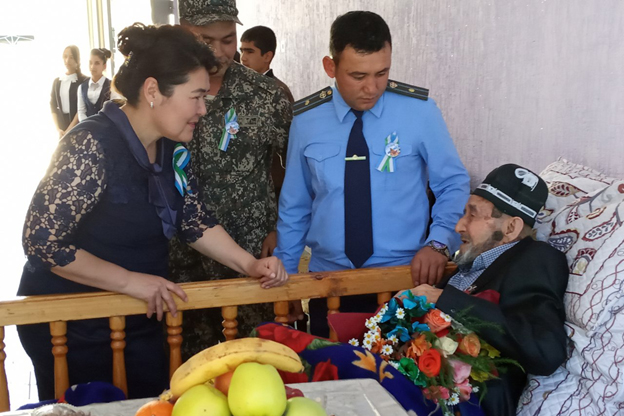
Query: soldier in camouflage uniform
[236,182]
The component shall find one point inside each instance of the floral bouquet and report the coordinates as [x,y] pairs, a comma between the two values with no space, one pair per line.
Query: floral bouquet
[443,357]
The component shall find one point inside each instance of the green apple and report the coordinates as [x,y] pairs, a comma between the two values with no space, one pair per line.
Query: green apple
[201,400]
[256,390]
[302,406]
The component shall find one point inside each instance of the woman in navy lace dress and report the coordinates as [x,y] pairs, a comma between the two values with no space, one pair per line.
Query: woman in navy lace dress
[118,188]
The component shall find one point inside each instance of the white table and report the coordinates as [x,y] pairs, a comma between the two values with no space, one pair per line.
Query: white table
[362,397]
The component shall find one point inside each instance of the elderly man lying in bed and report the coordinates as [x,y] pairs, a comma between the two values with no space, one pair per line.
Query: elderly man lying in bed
[519,282]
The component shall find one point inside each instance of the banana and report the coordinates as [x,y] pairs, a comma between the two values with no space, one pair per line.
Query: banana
[226,356]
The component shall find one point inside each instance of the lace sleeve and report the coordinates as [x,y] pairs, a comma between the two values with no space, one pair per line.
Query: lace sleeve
[195,216]
[70,189]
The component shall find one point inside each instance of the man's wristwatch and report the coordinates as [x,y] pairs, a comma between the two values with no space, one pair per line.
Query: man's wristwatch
[440,248]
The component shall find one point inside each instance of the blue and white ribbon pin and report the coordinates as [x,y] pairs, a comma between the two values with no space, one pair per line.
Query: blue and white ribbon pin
[230,129]
[181,158]
[392,150]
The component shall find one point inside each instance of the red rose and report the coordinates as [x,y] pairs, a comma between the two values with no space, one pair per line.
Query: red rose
[325,371]
[429,362]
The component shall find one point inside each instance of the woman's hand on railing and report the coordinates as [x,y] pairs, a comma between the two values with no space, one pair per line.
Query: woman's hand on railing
[270,271]
[156,291]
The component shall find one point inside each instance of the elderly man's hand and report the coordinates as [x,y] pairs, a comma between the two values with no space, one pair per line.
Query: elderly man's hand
[431,293]
[428,266]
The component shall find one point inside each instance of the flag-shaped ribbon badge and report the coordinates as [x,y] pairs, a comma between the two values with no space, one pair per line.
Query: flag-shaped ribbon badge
[392,151]
[230,129]
[181,158]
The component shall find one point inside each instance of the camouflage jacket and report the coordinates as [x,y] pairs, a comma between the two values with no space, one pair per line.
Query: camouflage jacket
[236,184]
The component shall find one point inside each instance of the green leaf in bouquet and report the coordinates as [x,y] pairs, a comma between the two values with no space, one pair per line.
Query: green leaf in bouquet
[502,363]
[445,377]
[408,367]
[475,324]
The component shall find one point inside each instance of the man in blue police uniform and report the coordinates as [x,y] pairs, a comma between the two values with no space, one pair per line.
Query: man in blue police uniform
[359,158]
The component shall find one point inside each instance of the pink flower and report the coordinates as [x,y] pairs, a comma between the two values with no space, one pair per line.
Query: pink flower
[461,370]
[464,390]
[436,393]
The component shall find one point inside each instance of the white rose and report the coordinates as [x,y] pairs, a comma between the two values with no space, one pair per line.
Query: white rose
[447,345]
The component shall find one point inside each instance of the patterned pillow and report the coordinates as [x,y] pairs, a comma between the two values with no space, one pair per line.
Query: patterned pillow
[566,182]
[589,231]
[583,218]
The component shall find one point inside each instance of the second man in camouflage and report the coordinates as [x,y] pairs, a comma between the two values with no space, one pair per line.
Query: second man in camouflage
[247,123]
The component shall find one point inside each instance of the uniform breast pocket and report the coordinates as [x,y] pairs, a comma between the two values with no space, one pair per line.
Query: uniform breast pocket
[324,161]
[406,165]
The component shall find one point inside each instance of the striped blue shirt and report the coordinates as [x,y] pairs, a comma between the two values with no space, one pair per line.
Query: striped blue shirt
[464,278]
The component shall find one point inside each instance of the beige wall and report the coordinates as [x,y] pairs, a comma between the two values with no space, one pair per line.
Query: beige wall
[518,81]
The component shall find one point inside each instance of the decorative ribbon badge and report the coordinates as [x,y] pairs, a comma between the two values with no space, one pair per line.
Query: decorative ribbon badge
[181,158]
[230,129]
[392,151]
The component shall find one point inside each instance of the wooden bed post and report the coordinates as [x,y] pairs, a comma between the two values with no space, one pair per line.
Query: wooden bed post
[4,389]
[174,339]
[383,297]
[58,330]
[333,306]
[118,344]
[230,324]
[281,311]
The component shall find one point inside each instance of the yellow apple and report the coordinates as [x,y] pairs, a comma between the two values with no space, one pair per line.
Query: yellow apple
[256,390]
[302,406]
[201,400]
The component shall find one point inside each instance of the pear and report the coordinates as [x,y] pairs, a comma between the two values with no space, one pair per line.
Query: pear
[256,390]
[201,400]
[302,406]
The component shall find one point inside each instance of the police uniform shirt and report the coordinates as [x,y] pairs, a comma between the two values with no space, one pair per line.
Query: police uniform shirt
[311,209]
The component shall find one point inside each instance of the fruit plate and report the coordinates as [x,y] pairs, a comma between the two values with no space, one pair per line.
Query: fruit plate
[361,397]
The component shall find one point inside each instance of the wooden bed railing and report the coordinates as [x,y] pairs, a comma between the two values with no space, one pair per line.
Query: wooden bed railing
[224,294]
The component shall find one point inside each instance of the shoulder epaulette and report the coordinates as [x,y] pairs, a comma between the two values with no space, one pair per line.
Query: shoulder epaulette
[313,100]
[409,90]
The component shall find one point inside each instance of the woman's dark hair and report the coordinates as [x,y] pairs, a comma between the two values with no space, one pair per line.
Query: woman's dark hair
[166,53]
[101,53]
[76,55]
[366,32]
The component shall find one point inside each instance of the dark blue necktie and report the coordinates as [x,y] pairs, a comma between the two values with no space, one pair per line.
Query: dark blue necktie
[357,197]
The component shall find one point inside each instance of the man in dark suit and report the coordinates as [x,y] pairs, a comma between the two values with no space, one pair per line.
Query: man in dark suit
[258,46]
[506,277]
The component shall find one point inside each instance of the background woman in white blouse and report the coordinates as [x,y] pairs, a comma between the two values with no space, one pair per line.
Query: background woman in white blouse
[93,93]
[63,101]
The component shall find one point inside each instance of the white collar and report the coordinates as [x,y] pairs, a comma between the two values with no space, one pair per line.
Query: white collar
[71,77]
[100,81]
